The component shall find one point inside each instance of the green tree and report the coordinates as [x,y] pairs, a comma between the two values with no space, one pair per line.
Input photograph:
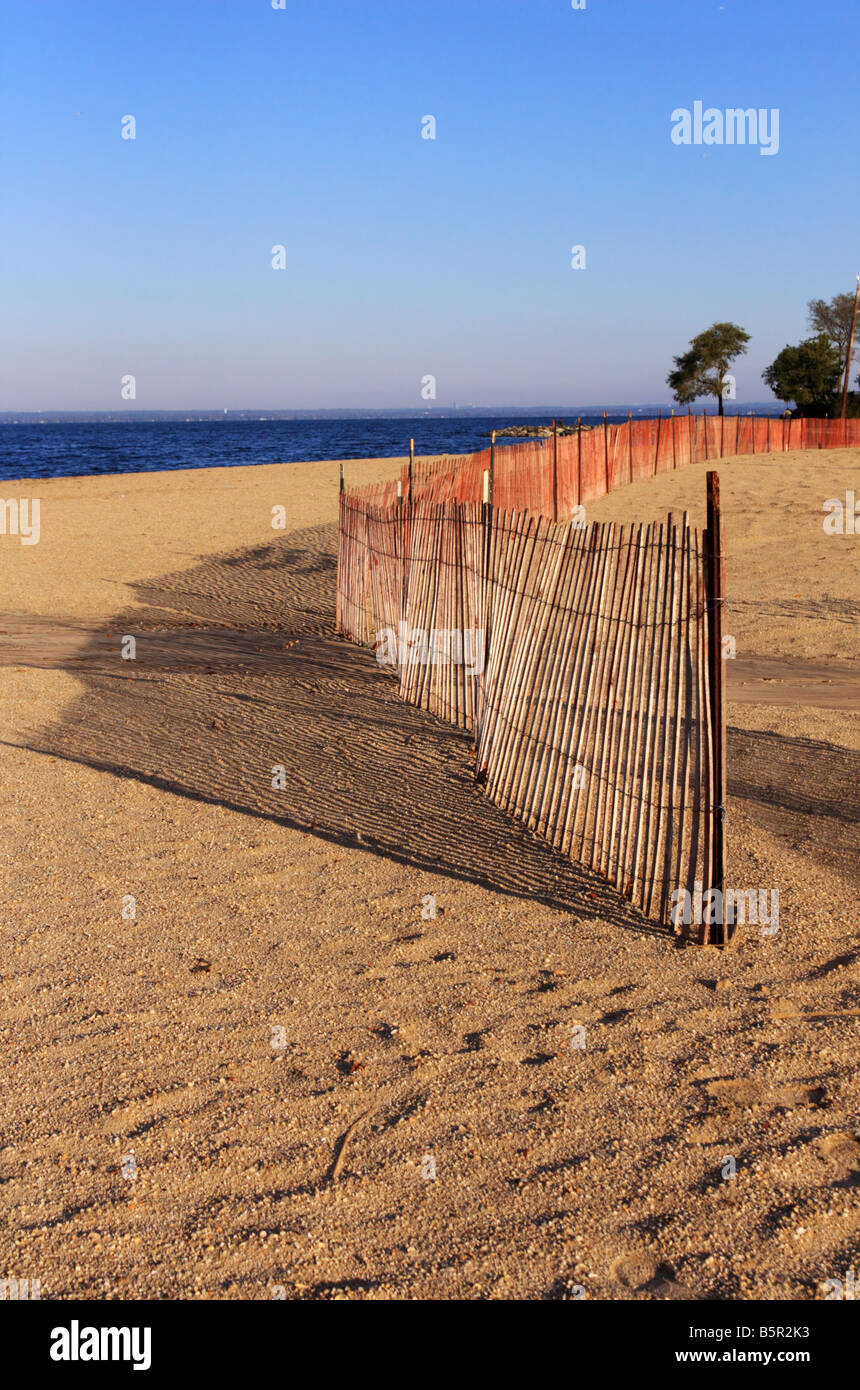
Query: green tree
[808,374]
[702,370]
[833,319]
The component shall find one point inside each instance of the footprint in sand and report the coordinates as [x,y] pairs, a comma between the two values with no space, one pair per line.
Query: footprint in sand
[634,1271]
[736,1092]
[743,1092]
[644,1274]
[841,1152]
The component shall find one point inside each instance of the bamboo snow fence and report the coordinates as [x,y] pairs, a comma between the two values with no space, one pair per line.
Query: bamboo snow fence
[585,659]
[597,730]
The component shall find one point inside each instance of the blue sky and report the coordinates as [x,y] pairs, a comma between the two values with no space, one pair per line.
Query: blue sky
[408,257]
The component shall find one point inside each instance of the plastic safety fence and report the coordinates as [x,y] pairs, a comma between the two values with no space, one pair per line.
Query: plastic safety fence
[554,476]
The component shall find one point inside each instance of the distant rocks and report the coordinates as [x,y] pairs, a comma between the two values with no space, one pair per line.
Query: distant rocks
[524,432]
[538,431]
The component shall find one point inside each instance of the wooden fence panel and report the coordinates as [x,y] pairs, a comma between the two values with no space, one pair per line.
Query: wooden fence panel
[592,715]
[595,729]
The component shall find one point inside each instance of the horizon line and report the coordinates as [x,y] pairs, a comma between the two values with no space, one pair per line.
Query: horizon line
[358,412]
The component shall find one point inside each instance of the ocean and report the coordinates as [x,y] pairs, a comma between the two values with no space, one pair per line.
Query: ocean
[35,450]
[52,449]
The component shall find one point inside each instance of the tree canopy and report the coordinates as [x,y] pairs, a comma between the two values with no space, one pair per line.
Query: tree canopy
[808,374]
[702,370]
[833,319]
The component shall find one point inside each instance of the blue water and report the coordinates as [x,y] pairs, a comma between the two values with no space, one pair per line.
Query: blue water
[132,446]
[62,449]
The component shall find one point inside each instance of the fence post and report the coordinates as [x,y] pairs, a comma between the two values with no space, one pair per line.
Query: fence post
[399,546]
[579,464]
[630,443]
[555,470]
[674,447]
[481,691]
[606,451]
[411,466]
[715,593]
[345,558]
[657,445]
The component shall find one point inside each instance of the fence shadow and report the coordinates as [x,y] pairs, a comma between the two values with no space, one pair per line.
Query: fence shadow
[238,671]
[803,789]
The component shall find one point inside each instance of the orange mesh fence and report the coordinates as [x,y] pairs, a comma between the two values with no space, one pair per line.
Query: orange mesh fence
[523,477]
[553,476]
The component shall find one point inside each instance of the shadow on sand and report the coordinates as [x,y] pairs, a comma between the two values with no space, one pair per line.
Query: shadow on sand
[238,670]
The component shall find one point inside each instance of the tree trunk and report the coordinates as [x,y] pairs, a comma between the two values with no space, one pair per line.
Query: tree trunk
[720,399]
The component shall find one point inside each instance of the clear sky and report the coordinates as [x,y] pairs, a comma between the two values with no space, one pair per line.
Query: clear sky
[408,257]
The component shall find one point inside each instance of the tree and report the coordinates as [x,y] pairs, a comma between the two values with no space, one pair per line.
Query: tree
[833,319]
[808,374]
[702,370]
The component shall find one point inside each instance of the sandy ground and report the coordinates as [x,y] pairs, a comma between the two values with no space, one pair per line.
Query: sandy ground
[177,1085]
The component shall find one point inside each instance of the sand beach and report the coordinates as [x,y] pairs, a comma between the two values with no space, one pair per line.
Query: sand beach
[314,1040]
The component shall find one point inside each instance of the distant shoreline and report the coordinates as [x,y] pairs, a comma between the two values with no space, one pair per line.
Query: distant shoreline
[567,413]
